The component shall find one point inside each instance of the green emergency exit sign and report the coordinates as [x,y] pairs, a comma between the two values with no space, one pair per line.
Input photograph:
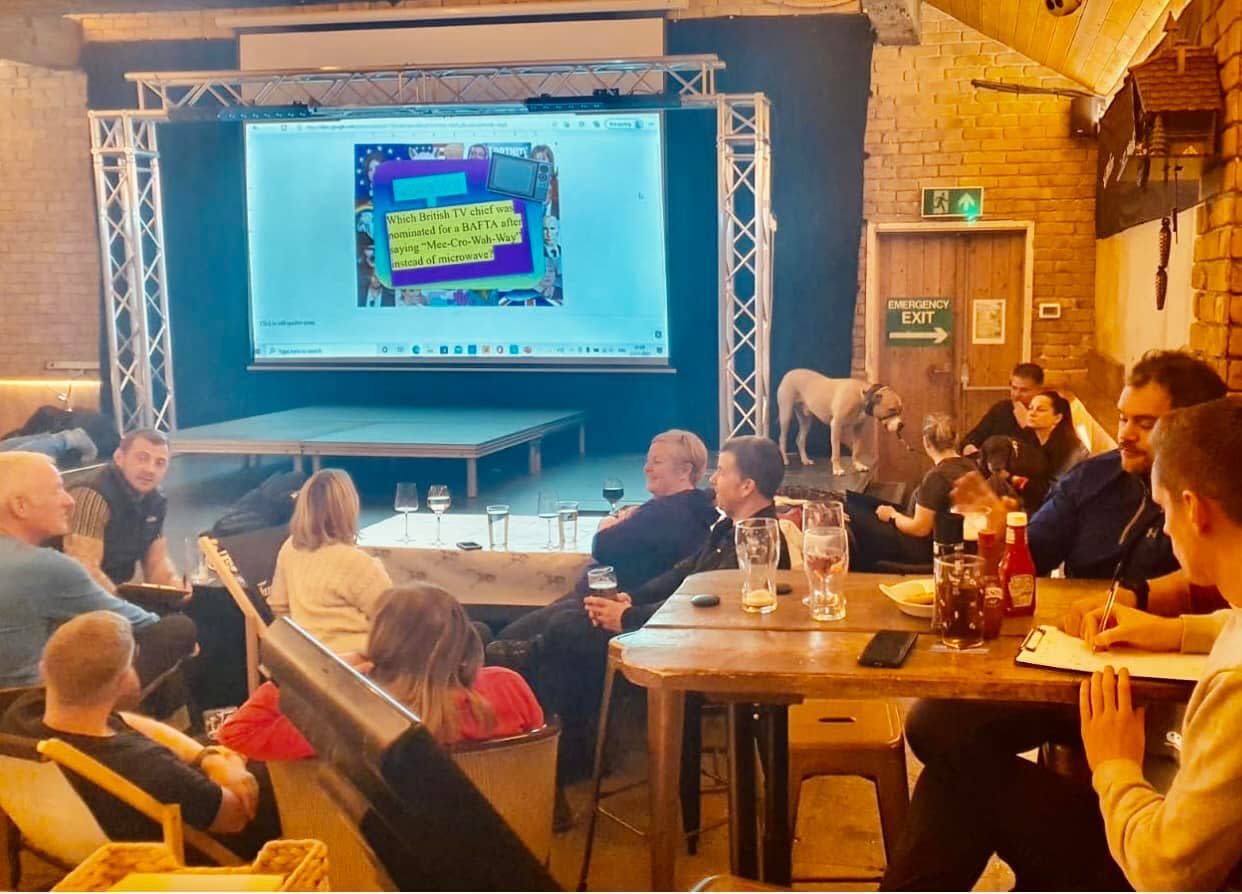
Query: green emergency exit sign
[918,322]
[958,201]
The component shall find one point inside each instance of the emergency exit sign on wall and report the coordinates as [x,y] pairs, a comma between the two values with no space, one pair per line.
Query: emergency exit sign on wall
[918,322]
[958,201]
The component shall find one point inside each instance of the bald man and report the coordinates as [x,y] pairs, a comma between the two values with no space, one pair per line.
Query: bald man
[40,588]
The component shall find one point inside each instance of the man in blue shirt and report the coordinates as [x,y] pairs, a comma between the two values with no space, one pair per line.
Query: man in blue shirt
[1100,521]
[40,588]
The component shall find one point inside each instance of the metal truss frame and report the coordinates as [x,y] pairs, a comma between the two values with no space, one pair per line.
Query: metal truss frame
[130,206]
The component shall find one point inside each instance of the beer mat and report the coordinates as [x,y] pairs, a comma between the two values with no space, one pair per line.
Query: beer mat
[1046,646]
[941,647]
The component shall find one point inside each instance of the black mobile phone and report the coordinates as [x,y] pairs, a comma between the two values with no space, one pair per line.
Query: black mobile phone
[888,648]
[469,544]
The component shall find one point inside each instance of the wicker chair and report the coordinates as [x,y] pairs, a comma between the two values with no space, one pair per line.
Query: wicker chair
[312,804]
[517,775]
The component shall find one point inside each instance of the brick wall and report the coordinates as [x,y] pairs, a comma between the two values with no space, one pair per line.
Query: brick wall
[1217,273]
[49,254]
[927,126]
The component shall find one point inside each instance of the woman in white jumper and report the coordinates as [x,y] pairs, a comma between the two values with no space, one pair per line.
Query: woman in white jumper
[323,580]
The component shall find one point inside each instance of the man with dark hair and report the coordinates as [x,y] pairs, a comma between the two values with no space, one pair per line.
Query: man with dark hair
[748,474]
[568,669]
[1007,418]
[118,516]
[1122,831]
[1100,521]
[88,667]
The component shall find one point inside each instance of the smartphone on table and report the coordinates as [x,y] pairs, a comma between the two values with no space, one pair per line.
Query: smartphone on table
[888,648]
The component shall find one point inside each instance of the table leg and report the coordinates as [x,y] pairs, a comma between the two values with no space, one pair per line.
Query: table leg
[298,465]
[316,463]
[582,439]
[743,824]
[472,478]
[774,749]
[665,716]
[536,457]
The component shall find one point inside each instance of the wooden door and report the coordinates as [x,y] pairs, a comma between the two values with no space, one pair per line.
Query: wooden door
[949,330]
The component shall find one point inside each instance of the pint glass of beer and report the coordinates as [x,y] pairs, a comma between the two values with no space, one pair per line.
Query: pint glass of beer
[602,582]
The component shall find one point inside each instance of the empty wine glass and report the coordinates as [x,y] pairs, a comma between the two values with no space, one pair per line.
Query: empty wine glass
[614,490]
[406,502]
[438,501]
[546,509]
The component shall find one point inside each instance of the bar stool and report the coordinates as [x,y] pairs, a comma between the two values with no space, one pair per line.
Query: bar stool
[691,770]
[836,737]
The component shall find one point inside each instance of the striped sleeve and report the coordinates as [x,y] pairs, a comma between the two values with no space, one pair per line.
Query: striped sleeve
[90,513]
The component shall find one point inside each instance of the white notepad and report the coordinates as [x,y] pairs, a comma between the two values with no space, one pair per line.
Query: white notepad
[1047,646]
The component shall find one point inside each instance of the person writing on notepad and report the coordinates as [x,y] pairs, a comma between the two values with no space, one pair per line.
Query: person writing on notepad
[1122,831]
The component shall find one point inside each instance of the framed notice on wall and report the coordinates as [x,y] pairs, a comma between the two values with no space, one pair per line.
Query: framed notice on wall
[987,321]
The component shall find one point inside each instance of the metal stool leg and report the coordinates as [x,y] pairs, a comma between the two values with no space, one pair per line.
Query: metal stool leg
[597,773]
[692,771]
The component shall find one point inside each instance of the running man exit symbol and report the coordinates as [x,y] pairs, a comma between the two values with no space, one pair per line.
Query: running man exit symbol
[966,201]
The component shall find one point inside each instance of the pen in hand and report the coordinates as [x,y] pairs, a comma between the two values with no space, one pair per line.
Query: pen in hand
[1108,610]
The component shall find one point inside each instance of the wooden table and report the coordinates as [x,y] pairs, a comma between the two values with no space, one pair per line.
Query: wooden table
[783,657]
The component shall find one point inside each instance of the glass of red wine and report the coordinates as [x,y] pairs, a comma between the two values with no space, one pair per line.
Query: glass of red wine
[613,491]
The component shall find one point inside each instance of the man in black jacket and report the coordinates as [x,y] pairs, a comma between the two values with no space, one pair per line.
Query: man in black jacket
[1008,417]
[568,670]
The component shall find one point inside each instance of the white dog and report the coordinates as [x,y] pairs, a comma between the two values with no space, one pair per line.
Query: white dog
[841,404]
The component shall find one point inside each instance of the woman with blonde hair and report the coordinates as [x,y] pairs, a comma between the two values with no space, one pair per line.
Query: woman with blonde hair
[889,535]
[424,651]
[323,580]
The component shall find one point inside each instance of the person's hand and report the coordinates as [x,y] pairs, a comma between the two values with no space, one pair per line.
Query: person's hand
[1020,413]
[973,494]
[1111,728]
[969,450]
[607,522]
[1131,627]
[359,662]
[606,613]
[885,513]
[1071,621]
[229,771]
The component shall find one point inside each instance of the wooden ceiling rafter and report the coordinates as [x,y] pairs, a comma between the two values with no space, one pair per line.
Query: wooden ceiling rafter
[1093,46]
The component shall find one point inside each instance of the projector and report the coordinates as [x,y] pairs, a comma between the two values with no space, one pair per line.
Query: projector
[1063,7]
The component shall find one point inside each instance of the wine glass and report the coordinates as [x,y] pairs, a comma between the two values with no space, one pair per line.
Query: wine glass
[547,510]
[438,501]
[405,503]
[614,490]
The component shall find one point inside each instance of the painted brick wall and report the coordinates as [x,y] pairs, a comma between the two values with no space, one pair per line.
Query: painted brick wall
[927,126]
[49,255]
[1217,273]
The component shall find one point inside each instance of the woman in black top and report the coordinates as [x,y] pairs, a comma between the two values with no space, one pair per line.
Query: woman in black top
[1051,419]
[891,536]
[1053,451]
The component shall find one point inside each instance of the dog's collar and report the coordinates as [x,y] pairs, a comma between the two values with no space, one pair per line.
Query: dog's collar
[871,397]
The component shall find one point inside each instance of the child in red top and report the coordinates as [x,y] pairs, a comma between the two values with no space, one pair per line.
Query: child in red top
[424,651]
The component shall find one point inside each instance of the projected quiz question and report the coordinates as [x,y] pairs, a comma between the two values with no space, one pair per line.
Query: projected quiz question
[494,237]
[440,236]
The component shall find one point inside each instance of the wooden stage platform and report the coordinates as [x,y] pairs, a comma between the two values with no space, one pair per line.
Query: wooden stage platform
[415,432]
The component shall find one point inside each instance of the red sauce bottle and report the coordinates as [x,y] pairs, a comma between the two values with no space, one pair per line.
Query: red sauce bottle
[1017,569]
[990,549]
